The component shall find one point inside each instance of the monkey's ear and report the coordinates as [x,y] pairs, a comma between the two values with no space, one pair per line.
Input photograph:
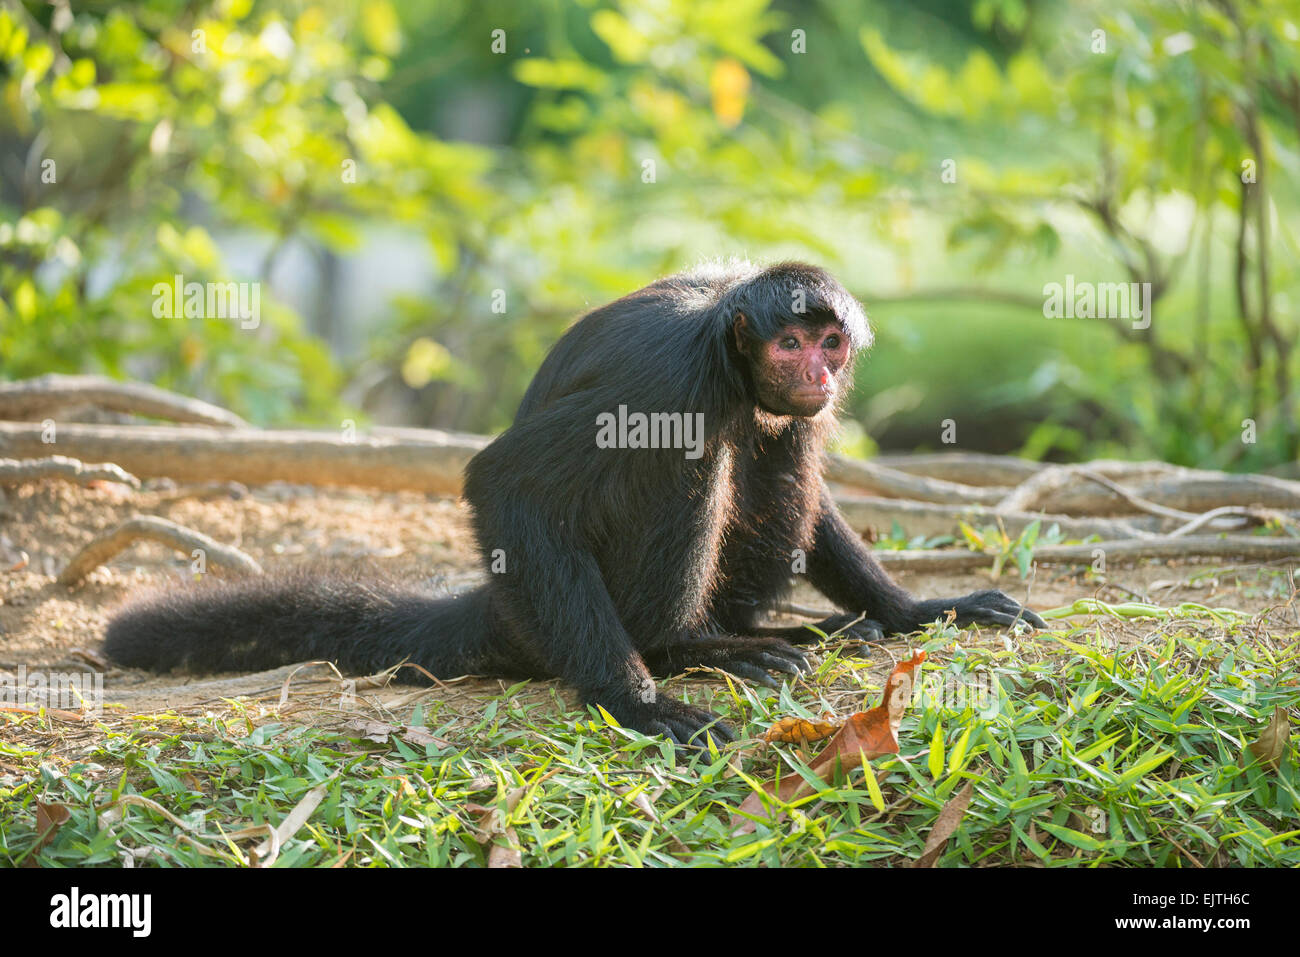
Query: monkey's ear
[738,328]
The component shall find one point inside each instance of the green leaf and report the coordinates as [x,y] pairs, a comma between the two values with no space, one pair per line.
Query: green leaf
[380,27]
[626,42]
[936,753]
[1071,836]
[559,74]
[956,760]
[873,786]
[1142,768]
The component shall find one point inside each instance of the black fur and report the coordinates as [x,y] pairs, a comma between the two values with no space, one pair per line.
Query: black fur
[303,614]
[618,562]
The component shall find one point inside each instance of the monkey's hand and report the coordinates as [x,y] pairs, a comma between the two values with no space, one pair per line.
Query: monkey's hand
[989,607]
[676,720]
[750,658]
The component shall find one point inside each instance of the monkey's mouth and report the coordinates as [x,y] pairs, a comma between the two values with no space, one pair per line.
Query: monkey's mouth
[810,401]
[818,393]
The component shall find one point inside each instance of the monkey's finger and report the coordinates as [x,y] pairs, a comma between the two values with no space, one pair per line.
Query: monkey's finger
[990,616]
[688,722]
[1013,608]
[864,632]
[710,723]
[853,626]
[685,736]
[790,665]
[1033,618]
[776,647]
[743,669]
[696,736]
[994,599]
[721,731]
[1001,601]
[661,729]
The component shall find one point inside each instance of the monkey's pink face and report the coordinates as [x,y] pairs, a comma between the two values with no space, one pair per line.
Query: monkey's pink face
[798,371]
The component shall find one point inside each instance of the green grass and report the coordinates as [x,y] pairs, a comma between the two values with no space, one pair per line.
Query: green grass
[1087,747]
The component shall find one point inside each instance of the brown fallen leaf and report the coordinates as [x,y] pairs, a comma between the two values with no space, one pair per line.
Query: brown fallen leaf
[945,825]
[46,712]
[639,801]
[865,735]
[504,851]
[376,731]
[420,736]
[492,819]
[264,854]
[344,859]
[493,830]
[1025,852]
[49,818]
[1271,745]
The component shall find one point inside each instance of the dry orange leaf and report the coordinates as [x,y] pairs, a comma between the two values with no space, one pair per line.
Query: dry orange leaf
[802,730]
[865,735]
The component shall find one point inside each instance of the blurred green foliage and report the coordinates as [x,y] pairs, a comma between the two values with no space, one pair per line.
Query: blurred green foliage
[946,159]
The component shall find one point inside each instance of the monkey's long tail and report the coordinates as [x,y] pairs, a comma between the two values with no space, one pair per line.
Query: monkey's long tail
[264,622]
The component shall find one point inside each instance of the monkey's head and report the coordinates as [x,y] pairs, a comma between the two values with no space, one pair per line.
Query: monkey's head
[796,330]
[799,371]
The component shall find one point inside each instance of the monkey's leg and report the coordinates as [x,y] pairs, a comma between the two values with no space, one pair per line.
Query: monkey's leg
[743,657]
[558,600]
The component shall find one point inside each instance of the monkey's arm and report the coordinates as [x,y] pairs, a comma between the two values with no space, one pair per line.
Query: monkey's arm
[841,567]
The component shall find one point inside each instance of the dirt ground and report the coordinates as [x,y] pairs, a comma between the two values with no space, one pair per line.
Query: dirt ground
[415,537]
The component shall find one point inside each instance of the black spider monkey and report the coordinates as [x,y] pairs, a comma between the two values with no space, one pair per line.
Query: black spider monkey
[611,564]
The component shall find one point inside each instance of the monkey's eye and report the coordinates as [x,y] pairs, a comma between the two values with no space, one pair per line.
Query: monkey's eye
[789,343]
[832,342]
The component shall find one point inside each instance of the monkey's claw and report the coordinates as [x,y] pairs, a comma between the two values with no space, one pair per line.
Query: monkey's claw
[679,722]
[750,658]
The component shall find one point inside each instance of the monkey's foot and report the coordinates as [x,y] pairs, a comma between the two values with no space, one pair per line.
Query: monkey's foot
[750,658]
[989,607]
[681,723]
